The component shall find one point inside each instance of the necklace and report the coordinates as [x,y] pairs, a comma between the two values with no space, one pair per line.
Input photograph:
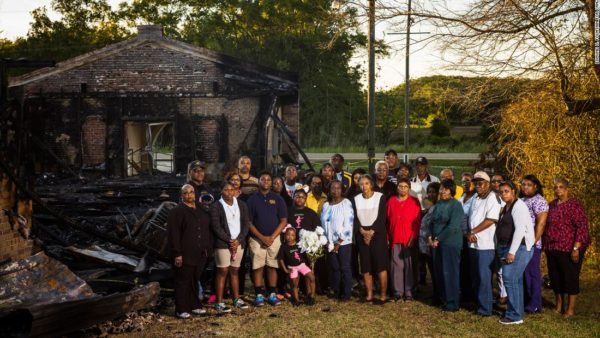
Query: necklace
[231,209]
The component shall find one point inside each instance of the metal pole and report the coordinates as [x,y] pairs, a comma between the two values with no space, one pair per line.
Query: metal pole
[407,84]
[371,93]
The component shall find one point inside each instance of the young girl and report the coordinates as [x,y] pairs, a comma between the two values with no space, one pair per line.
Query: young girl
[292,262]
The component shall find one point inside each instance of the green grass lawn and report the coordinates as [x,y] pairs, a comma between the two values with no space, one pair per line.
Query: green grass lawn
[402,319]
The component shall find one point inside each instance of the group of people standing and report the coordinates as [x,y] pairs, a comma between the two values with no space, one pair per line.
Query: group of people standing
[390,228]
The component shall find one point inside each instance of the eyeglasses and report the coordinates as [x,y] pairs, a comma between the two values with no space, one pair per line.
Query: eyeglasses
[480,183]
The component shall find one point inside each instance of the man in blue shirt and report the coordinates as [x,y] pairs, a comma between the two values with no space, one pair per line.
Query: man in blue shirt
[268,215]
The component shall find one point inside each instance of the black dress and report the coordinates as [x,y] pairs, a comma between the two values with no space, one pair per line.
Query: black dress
[374,257]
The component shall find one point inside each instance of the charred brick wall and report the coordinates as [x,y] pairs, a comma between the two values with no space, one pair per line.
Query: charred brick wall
[154,80]
[94,140]
[12,244]
[148,67]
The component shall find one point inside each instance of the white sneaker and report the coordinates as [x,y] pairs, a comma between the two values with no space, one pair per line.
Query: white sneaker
[199,311]
[183,315]
[506,321]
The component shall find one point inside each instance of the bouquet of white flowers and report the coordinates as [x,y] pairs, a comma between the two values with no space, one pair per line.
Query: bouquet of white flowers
[312,243]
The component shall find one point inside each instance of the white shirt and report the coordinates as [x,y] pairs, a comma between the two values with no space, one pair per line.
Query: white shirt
[524,227]
[481,209]
[425,182]
[367,209]
[417,191]
[338,221]
[291,189]
[232,212]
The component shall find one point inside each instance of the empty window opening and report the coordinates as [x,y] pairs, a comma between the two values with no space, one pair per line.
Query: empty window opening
[150,147]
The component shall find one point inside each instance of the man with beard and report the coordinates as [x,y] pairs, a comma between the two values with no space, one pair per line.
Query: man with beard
[191,242]
[249,183]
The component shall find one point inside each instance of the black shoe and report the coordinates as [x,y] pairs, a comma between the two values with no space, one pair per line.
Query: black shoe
[294,302]
[309,301]
[446,309]
[378,301]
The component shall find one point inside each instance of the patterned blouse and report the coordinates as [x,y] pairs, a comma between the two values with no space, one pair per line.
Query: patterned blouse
[567,224]
[536,205]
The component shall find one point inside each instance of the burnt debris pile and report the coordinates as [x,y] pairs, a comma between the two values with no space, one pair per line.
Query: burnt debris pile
[103,254]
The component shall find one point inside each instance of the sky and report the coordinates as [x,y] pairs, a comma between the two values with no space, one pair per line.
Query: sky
[425,60]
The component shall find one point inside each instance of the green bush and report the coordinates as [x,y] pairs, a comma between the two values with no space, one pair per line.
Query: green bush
[440,127]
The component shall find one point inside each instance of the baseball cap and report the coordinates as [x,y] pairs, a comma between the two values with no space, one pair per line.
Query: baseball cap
[196,164]
[421,160]
[481,176]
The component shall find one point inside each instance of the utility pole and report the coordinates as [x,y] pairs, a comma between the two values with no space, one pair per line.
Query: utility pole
[407,86]
[407,82]
[371,92]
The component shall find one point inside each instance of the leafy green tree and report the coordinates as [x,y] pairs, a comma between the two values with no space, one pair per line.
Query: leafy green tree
[84,25]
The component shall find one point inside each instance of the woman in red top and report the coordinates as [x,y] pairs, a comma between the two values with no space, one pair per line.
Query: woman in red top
[404,219]
[565,240]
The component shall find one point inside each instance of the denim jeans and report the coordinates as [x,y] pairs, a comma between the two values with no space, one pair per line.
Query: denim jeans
[513,280]
[482,265]
[340,272]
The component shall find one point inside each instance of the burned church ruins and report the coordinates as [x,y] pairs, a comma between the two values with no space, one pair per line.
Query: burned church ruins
[94,151]
[151,103]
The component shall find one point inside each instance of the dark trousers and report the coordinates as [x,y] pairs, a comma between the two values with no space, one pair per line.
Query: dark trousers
[446,278]
[355,267]
[186,286]
[425,262]
[466,284]
[340,272]
[533,283]
[563,273]
[321,272]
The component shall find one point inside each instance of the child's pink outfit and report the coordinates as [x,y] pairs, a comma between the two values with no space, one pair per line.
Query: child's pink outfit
[302,268]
